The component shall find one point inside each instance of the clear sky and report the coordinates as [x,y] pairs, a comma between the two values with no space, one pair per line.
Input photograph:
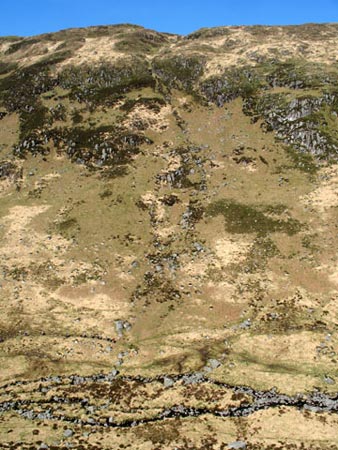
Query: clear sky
[29,17]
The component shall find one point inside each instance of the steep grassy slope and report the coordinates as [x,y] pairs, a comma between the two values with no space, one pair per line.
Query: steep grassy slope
[168,229]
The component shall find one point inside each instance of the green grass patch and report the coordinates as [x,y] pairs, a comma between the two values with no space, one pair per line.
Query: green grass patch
[241,218]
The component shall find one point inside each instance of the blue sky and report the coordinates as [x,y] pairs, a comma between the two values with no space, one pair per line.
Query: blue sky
[29,17]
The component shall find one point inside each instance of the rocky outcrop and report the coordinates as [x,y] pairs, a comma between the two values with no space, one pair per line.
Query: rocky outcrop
[54,407]
[300,122]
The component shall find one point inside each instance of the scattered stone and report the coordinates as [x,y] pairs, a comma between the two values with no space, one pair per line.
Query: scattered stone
[194,378]
[68,433]
[245,324]
[329,380]
[121,325]
[114,373]
[311,408]
[214,363]
[28,415]
[237,445]
[126,325]
[198,247]
[168,382]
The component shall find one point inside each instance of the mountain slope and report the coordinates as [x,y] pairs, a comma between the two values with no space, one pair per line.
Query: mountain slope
[169,238]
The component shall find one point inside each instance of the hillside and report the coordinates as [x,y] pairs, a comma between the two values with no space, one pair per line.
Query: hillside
[168,226]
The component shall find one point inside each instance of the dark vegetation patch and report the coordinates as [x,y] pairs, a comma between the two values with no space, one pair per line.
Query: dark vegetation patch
[102,146]
[302,161]
[287,74]
[21,45]
[68,228]
[286,315]
[33,143]
[233,83]
[32,119]
[180,72]
[16,273]
[7,169]
[90,32]
[46,274]
[249,81]
[190,174]
[55,58]
[10,39]
[241,218]
[43,273]
[106,194]
[274,209]
[304,32]
[109,148]
[20,90]
[261,31]
[155,287]
[299,75]
[309,242]
[59,113]
[170,199]
[141,41]
[152,103]
[76,117]
[106,83]
[209,33]
[160,434]
[261,251]
[311,31]
[244,160]
[114,172]
[6,67]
